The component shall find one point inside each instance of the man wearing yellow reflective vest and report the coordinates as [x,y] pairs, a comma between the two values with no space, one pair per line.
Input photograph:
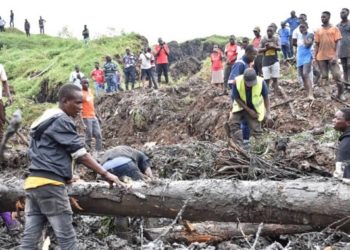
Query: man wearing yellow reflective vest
[250,104]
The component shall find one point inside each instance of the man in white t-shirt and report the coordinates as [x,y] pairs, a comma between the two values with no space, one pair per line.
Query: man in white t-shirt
[145,59]
[298,40]
[76,76]
[4,86]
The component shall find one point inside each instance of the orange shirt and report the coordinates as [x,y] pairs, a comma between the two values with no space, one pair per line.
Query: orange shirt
[88,105]
[162,57]
[231,52]
[327,38]
[216,61]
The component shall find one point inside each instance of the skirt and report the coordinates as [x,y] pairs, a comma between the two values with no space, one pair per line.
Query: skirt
[217,76]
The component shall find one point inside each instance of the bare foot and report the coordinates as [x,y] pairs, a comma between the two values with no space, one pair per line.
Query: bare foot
[310,98]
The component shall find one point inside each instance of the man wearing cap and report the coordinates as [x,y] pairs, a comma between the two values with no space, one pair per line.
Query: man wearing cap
[251,104]
[238,69]
[284,34]
[231,52]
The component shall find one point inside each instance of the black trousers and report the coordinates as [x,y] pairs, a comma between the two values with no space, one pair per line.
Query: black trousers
[163,68]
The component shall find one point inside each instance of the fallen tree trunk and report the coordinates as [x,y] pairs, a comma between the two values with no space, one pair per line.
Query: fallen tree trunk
[308,201]
[221,231]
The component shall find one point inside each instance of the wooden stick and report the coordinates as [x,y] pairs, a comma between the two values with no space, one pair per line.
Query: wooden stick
[42,72]
[282,103]
[340,101]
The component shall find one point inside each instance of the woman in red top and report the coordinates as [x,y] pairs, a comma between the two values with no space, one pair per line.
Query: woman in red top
[217,72]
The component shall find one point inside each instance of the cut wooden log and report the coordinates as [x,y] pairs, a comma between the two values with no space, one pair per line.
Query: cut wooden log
[308,201]
[221,231]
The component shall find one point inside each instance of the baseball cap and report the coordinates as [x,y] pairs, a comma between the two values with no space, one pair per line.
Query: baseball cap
[249,76]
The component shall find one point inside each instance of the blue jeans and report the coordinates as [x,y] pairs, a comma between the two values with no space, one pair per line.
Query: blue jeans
[99,88]
[129,169]
[286,51]
[245,130]
[93,130]
[130,73]
[111,84]
[48,203]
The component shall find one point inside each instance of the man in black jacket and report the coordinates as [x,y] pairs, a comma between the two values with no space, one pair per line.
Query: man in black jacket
[54,145]
[341,122]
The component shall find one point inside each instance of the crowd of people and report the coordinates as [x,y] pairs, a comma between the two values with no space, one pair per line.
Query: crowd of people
[249,76]
[249,69]
[107,79]
[26,24]
[314,53]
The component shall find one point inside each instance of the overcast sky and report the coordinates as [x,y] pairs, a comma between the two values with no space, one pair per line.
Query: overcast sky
[172,20]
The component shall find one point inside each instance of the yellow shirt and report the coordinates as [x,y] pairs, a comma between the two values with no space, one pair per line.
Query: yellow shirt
[34,182]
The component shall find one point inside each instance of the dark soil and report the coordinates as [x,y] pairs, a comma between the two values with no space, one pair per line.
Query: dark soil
[181,129]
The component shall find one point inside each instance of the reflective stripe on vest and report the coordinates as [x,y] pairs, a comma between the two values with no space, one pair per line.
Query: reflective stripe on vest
[257,98]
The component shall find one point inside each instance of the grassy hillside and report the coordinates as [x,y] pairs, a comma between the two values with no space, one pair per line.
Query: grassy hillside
[24,58]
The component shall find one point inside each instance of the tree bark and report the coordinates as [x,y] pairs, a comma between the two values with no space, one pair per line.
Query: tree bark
[221,231]
[308,201]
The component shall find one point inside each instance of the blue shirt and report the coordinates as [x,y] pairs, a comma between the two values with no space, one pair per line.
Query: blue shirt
[248,91]
[284,36]
[238,68]
[293,23]
[304,53]
[116,162]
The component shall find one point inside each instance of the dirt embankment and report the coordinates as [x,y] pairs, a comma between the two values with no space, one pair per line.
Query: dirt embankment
[165,116]
[186,125]
[195,111]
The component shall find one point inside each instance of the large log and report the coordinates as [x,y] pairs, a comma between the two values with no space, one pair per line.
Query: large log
[221,231]
[309,201]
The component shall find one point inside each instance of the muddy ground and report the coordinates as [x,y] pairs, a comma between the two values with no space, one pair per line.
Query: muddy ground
[181,129]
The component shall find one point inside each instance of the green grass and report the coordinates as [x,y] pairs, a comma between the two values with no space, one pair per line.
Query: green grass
[217,39]
[205,71]
[25,57]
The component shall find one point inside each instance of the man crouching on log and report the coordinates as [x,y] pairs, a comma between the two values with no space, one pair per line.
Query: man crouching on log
[54,146]
[341,122]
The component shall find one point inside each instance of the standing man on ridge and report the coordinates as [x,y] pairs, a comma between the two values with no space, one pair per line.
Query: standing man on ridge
[41,25]
[27,27]
[161,51]
[12,19]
